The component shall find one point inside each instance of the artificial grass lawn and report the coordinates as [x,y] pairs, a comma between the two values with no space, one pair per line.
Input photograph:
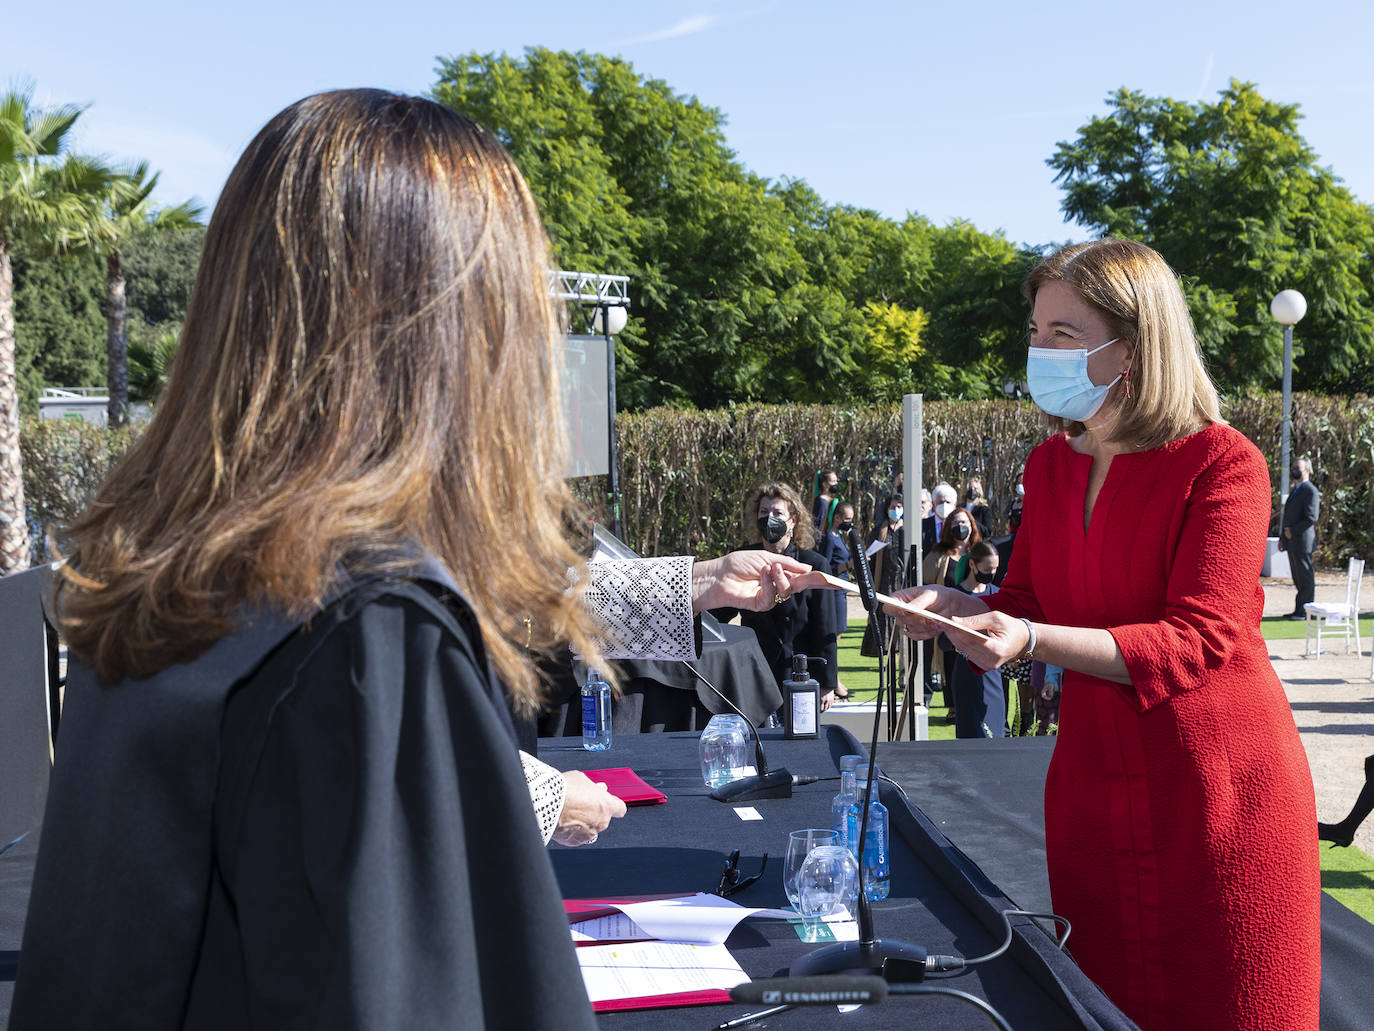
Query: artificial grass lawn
[1276,628]
[1347,873]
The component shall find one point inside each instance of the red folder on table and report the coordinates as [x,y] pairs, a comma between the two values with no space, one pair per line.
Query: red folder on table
[579,910]
[627,786]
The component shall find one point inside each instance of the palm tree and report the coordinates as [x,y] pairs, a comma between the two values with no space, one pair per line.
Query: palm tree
[130,215]
[51,198]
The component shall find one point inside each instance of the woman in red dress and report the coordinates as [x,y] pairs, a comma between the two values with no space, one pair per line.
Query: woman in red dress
[1179,808]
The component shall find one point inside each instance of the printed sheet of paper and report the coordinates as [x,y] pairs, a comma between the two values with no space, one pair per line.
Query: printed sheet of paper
[701,919]
[875,547]
[656,968]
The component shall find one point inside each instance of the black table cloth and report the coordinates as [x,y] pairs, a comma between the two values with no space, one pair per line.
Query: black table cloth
[938,899]
[988,799]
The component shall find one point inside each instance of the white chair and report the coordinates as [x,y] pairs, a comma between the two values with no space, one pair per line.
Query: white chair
[1327,618]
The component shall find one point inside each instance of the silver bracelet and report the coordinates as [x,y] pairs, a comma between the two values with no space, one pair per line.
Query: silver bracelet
[1029,653]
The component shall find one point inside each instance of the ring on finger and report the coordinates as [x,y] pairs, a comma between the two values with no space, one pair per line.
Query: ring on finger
[783,597]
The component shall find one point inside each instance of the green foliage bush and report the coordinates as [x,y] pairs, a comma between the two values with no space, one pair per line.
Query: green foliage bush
[64,462]
[685,474]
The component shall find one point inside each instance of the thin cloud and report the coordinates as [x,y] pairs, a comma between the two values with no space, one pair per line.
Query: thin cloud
[688,26]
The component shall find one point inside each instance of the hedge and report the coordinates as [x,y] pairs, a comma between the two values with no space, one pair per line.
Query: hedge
[685,473]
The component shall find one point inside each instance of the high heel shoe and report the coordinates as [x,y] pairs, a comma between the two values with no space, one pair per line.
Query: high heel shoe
[1343,834]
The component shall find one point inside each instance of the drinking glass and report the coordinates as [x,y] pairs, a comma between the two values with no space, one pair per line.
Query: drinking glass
[799,846]
[725,749]
[828,883]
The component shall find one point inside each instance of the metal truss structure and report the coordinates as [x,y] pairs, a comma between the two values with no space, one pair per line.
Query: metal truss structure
[590,288]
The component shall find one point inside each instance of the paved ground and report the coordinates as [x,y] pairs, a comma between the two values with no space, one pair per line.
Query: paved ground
[1333,703]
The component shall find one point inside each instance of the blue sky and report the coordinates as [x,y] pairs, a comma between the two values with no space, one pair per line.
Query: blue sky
[946,109]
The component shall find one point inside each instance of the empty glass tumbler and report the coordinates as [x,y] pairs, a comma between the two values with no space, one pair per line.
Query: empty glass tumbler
[827,885]
[726,751]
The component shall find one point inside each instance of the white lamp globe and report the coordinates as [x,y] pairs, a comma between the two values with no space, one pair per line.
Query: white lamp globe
[1288,307]
[616,317]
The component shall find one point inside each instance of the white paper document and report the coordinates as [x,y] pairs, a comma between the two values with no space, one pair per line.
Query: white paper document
[656,968]
[700,919]
[874,547]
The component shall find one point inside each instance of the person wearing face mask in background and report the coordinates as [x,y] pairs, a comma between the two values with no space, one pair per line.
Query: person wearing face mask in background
[979,695]
[836,550]
[946,564]
[977,506]
[932,526]
[1178,772]
[1299,537]
[776,521]
[822,508]
[888,565]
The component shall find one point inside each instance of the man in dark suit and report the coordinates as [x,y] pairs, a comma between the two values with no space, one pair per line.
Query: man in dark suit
[946,499]
[1298,536]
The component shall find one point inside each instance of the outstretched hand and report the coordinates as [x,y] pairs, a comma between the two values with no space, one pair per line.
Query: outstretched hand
[755,580]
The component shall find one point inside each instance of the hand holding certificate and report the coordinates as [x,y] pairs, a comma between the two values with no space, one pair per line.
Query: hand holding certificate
[901,606]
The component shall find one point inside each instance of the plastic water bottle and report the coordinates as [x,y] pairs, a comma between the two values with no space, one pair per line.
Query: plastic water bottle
[849,794]
[877,866]
[596,713]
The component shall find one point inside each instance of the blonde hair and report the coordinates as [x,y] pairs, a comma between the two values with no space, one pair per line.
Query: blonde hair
[803,531]
[1134,289]
[370,361]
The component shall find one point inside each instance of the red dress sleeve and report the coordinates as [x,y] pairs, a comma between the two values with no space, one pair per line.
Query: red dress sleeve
[1213,601]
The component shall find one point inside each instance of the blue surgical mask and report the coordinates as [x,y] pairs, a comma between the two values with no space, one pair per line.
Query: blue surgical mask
[894,514]
[1059,381]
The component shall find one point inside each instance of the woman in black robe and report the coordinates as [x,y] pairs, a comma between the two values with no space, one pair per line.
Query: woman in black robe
[286,791]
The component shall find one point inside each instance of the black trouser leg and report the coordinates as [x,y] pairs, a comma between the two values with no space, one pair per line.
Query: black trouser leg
[1300,562]
[1343,833]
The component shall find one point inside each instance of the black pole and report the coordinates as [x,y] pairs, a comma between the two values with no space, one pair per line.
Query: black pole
[613,493]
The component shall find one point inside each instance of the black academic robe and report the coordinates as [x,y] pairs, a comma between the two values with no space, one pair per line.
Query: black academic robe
[346,842]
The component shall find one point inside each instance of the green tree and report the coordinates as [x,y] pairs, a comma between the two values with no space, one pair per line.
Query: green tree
[59,321]
[50,198]
[161,269]
[1232,195]
[129,216]
[743,289]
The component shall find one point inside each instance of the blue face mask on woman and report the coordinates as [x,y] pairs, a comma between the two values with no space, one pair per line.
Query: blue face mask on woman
[1059,381]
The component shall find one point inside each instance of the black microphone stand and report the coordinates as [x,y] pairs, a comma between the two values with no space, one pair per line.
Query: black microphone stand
[894,960]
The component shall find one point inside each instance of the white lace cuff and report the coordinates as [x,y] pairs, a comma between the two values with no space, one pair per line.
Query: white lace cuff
[645,607]
[547,790]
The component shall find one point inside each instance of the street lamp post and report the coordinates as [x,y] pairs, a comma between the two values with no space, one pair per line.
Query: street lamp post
[1288,307]
[609,320]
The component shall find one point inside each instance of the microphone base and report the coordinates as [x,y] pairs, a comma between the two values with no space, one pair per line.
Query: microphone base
[773,784]
[894,961]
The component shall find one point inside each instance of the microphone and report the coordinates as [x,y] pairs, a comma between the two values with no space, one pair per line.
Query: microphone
[863,576]
[896,960]
[766,784]
[833,990]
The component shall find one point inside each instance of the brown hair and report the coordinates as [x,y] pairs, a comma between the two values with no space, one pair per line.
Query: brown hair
[1134,289]
[983,549]
[803,530]
[369,361]
[947,540]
